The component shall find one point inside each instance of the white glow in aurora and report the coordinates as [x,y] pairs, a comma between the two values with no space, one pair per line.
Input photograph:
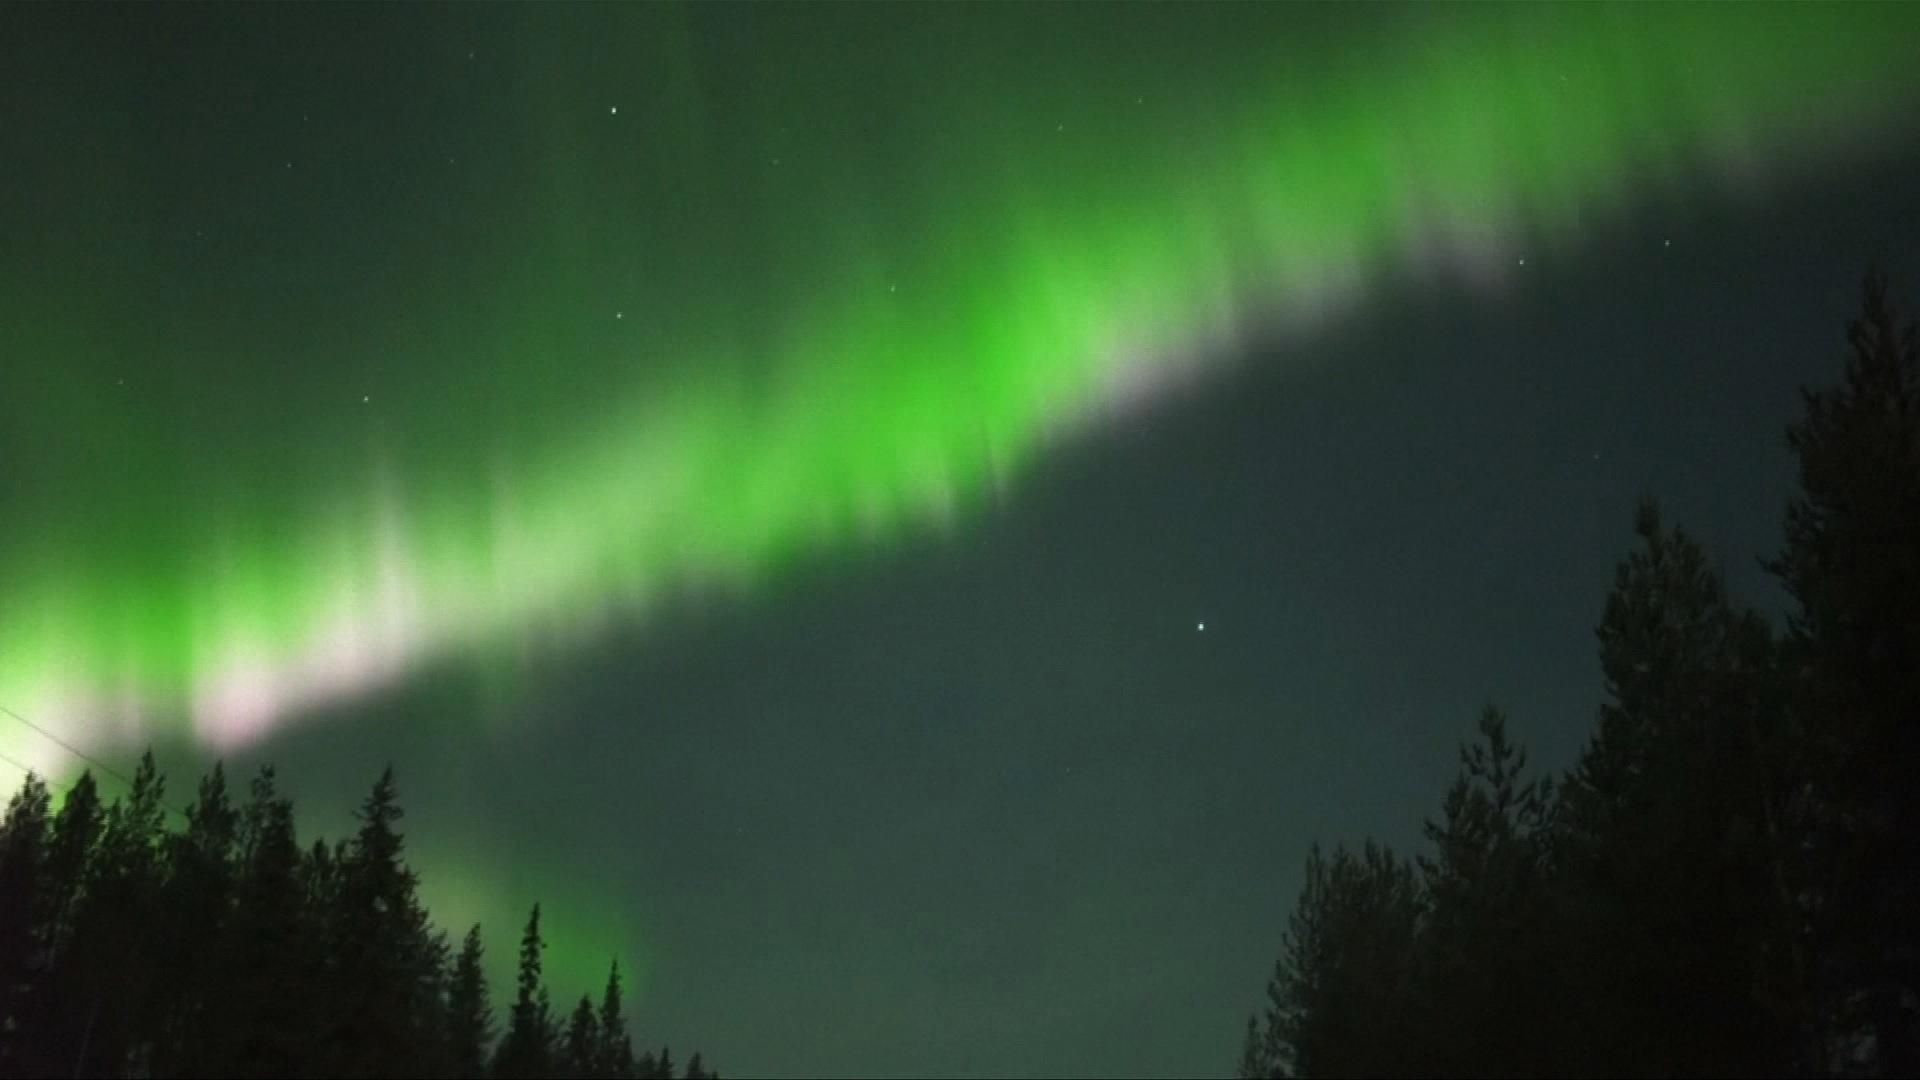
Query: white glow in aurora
[1033,308]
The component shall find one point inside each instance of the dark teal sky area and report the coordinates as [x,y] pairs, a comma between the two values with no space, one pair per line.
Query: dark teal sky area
[760,472]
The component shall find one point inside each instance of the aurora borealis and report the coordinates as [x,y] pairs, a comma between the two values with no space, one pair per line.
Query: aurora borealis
[350,351]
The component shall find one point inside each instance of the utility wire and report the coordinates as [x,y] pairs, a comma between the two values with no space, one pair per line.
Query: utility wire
[70,748]
[82,755]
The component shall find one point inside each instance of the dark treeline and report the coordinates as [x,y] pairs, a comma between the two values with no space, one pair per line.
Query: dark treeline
[1724,884]
[225,949]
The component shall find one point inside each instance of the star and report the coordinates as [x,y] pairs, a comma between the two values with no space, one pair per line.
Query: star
[366,397]
[614,111]
[619,314]
[1200,626]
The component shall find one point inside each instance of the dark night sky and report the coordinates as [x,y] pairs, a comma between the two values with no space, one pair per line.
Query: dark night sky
[974,798]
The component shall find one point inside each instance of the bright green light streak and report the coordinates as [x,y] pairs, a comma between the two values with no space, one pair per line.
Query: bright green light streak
[1064,278]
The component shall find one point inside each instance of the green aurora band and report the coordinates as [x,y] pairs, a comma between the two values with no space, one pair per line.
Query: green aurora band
[1026,280]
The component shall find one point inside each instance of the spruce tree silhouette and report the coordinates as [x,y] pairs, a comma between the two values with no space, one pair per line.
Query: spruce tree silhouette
[225,950]
[526,1050]
[469,1012]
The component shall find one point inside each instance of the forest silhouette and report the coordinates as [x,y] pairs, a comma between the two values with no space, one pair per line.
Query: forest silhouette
[225,949]
[1724,884]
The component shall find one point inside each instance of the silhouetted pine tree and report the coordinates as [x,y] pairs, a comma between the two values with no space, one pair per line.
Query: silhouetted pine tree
[1256,1057]
[1490,1005]
[104,974]
[193,919]
[1339,1002]
[582,1045]
[526,1049]
[23,853]
[1674,915]
[1851,562]
[469,1014]
[267,993]
[225,950]
[386,964]
[614,1057]
[50,1033]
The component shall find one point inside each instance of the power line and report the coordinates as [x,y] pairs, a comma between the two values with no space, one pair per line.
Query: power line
[86,757]
[70,748]
[29,770]
[33,772]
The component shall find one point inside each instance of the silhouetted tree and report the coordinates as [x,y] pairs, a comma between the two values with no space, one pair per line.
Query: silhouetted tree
[581,1054]
[226,950]
[103,979]
[270,990]
[386,963]
[23,854]
[1728,882]
[53,1019]
[614,1059]
[194,916]
[1490,1007]
[526,1050]
[469,1014]
[1851,562]
[1340,997]
[1674,917]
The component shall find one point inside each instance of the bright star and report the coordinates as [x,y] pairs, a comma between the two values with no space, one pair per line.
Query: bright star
[1200,626]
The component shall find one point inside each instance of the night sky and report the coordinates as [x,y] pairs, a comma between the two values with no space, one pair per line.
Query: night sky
[901,522]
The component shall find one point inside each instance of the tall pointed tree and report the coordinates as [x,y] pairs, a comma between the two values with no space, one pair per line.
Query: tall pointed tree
[469,1013]
[581,1052]
[615,1056]
[526,1050]
[1488,1005]
[387,965]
